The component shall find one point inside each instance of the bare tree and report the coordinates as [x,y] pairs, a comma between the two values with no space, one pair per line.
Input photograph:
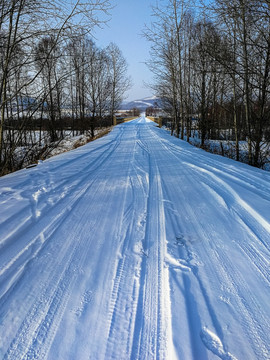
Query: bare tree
[218,70]
[23,24]
[119,81]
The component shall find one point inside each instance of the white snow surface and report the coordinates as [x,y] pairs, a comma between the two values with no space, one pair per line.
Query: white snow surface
[135,246]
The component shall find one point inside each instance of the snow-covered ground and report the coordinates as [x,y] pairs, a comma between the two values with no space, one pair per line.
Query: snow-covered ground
[135,246]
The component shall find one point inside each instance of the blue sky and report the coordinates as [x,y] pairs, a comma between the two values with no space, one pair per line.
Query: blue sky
[125,28]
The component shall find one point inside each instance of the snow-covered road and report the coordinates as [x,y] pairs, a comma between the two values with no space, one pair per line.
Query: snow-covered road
[135,246]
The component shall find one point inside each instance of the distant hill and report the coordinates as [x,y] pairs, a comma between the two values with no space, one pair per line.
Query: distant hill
[141,104]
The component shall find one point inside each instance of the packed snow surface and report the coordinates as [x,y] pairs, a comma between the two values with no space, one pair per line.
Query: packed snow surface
[135,246]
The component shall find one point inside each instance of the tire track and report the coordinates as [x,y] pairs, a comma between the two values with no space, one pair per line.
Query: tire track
[17,255]
[152,332]
[123,300]
[21,262]
[222,266]
[56,190]
[36,331]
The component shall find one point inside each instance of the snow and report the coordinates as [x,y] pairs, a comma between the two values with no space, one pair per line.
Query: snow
[38,142]
[135,246]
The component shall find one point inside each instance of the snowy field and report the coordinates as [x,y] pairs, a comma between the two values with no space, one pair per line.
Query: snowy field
[135,246]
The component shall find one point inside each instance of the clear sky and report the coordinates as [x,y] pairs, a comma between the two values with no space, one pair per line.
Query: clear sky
[125,27]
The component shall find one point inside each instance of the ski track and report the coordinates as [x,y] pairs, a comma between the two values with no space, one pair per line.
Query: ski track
[135,246]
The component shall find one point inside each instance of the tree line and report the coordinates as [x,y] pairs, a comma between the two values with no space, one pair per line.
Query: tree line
[53,76]
[211,67]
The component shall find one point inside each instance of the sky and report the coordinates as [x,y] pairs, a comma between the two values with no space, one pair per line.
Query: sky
[128,18]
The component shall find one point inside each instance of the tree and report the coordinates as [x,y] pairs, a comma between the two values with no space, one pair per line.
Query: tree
[47,58]
[119,81]
[247,29]
[170,38]
[218,69]
[23,24]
